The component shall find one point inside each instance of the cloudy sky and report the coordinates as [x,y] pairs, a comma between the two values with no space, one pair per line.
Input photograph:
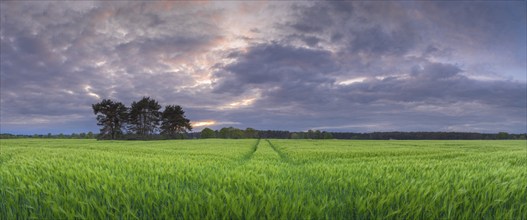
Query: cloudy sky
[334,66]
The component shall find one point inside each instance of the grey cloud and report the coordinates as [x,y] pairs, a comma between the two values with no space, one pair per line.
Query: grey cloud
[311,41]
[56,55]
[355,26]
[348,66]
[495,20]
[375,40]
[436,71]
[266,64]
[321,16]
[424,92]
[438,82]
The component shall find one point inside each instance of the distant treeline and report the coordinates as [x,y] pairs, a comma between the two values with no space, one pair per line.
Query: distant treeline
[427,136]
[82,135]
[236,133]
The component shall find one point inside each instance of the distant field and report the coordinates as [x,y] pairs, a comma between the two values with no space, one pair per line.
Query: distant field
[248,178]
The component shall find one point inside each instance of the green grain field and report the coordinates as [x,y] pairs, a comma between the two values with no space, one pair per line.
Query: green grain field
[262,179]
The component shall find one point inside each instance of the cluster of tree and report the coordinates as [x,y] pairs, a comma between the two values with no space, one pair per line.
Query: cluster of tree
[142,120]
[236,133]
[82,135]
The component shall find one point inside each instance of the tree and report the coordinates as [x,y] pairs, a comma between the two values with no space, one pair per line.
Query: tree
[231,132]
[310,134]
[327,135]
[144,116]
[111,115]
[224,133]
[236,133]
[208,133]
[502,136]
[174,121]
[251,133]
[296,135]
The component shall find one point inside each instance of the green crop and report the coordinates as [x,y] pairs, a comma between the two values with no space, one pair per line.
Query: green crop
[262,179]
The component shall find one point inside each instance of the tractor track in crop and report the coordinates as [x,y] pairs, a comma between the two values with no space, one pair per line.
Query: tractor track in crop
[282,155]
[250,154]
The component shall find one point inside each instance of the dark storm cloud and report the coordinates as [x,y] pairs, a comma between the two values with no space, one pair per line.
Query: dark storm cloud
[376,41]
[282,77]
[337,65]
[355,26]
[439,83]
[320,17]
[416,95]
[269,64]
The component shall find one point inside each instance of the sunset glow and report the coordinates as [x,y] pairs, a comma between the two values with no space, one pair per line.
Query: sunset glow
[203,123]
[242,103]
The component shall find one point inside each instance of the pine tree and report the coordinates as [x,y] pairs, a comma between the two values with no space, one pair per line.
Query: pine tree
[144,117]
[174,121]
[112,116]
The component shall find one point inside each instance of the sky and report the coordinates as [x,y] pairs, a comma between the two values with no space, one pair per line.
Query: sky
[282,65]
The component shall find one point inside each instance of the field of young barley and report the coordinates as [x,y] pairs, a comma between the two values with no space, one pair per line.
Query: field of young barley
[248,179]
